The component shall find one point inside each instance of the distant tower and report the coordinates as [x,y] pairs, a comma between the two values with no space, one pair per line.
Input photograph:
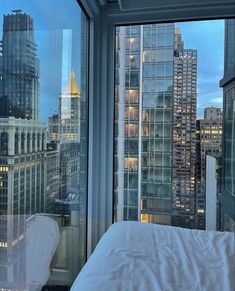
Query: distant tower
[69,112]
[22,144]
[209,142]
[184,133]
[20,82]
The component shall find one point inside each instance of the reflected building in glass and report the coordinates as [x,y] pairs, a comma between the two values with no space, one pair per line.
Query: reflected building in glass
[20,82]
[69,137]
[150,63]
[69,112]
[53,124]
[22,144]
[64,134]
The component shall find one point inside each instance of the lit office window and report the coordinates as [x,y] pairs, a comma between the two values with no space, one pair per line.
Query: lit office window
[43,143]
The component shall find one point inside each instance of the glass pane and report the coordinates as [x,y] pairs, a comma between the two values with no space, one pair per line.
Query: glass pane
[43,143]
[184,157]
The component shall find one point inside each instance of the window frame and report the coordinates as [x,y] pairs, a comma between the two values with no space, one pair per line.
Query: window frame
[103,20]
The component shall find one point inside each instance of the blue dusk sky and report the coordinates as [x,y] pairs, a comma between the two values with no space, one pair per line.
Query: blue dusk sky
[207,37]
[57,35]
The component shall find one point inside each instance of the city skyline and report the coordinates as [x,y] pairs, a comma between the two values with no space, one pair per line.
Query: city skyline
[159,142]
[201,35]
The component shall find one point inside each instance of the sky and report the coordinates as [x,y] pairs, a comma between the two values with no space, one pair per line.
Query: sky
[207,37]
[57,35]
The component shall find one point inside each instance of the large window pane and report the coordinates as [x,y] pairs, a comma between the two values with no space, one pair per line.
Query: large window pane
[43,143]
[185,157]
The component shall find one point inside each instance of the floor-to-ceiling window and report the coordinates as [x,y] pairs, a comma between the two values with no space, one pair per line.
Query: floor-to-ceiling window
[43,143]
[168,160]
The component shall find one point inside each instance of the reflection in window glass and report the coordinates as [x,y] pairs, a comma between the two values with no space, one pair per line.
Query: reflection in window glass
[43,143]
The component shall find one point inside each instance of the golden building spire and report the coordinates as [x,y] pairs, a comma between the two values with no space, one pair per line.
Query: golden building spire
[72,88]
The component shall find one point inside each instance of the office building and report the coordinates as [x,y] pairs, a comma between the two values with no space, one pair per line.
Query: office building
[213,113]
[19,95]
[22,188]
[68,125]
[64,135]
[69,168]
[150,62]
[144,94]
[184,134]
[52,175]
[23,138]
[227,197]
[69,112]
[209,141]
[23,150]
[53,124]
[22,142]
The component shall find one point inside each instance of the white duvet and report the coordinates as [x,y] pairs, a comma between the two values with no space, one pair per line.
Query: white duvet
[149,257]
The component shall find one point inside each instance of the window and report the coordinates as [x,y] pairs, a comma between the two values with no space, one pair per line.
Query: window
[43,142]
[178,129]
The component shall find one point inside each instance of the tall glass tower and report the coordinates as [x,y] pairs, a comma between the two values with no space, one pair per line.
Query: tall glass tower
[143,179]
[20,80]
[149,58]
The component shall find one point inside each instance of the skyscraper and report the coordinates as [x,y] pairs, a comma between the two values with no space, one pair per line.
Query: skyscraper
[64,134]
[184,134]
[20,82]
[69,137]
[209,142]
[22,142]
[143,125]
[64,129]
[227,197]
[150,61]
[69,112]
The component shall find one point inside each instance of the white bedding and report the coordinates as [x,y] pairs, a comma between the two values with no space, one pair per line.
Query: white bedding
[145,257]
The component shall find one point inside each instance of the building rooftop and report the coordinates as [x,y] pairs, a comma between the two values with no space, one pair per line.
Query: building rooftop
[72,88]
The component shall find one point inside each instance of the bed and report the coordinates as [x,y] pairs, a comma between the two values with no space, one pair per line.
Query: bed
[145,257]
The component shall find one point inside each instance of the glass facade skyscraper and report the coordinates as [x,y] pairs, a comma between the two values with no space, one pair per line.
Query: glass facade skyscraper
[20,82]
[22,144]
[150,59]
[128,126]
